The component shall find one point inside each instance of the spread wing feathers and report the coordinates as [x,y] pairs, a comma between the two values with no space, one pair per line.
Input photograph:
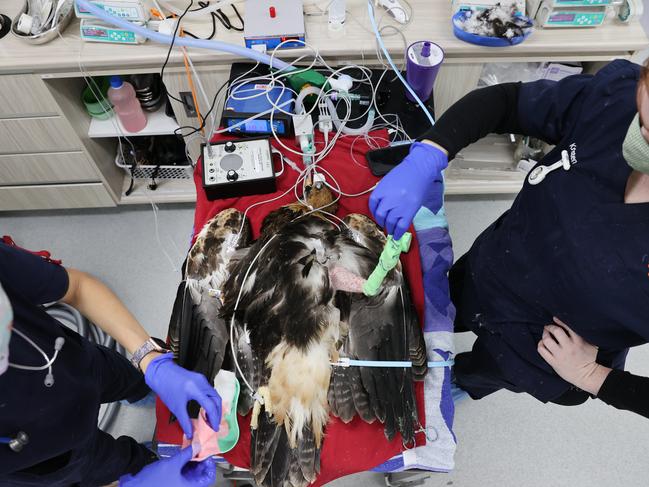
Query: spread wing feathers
[286,304]
[381,328]
[179,315]
[198,332]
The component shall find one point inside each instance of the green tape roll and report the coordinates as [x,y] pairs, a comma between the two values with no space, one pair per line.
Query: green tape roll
[387,261]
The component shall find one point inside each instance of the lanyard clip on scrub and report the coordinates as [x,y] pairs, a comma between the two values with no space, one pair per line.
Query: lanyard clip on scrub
[539,173]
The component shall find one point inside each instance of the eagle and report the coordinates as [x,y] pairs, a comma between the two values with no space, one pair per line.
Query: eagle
[279,312]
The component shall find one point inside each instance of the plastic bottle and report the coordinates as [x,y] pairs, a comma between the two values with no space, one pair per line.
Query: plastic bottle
[126,105]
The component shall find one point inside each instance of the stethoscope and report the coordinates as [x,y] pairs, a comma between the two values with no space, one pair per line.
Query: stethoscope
[58,345]
[17,443]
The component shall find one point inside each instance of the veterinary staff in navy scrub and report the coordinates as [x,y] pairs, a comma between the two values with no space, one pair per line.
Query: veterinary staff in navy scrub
[52,382]
[573,246]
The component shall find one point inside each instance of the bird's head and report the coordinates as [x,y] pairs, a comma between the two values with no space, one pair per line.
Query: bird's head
[318,195]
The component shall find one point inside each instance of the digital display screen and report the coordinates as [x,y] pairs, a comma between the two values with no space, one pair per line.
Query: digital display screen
[562,18]
[92,32]
[259,126]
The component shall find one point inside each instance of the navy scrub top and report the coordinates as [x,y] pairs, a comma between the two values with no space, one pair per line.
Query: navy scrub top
[57,419]
[569,246]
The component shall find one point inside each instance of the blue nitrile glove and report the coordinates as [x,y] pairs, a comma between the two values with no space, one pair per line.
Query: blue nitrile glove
[176,471]
[176,387]
[402,191]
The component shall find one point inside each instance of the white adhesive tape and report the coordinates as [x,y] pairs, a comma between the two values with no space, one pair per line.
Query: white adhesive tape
[25,23]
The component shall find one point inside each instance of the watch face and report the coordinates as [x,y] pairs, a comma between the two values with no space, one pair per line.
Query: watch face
[161,344]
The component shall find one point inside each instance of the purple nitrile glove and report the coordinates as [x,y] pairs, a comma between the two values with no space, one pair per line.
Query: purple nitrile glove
[399,195]
[177,386]
[176,471]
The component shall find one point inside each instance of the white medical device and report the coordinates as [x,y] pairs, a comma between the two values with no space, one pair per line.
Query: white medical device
[93,30]
[396,9]
[132,10]
[271,23]
[581,13]
[237,168]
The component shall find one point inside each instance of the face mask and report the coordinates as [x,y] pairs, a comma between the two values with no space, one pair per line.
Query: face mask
[636,148]
[6,318]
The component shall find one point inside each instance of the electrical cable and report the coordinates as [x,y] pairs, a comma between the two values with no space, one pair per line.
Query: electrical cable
[370,9]
[174,37]
[236,12]
[210,8]
[212,17]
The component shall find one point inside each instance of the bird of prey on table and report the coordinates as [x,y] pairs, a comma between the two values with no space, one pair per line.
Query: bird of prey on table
[279,312]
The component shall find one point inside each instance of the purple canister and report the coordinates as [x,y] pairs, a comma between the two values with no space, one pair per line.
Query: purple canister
[424,60]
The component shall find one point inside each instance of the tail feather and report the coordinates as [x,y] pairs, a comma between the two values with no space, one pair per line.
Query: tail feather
[264,443]
[274,463]
[295,475]
[306,453]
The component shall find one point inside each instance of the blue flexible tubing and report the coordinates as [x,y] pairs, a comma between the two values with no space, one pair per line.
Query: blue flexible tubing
[183,41]
[370,10]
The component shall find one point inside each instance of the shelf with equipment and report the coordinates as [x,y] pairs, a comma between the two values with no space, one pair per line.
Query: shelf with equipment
[53,75]
[158,123]
[167,191]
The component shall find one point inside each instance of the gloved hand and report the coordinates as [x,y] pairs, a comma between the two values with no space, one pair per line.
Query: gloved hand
[177,386]
[572,357]
[402,191]
[176,471]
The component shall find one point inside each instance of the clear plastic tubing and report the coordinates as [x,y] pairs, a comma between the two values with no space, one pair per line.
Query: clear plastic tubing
[312,90]
[122,95]
[212,7]
[337,14]
[184,41]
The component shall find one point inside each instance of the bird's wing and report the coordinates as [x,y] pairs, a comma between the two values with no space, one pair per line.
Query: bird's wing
[380,328]
[198,333]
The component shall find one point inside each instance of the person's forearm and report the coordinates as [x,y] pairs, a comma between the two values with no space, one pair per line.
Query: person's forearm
[592,383]
[493,109]
[626,391]
[101,306]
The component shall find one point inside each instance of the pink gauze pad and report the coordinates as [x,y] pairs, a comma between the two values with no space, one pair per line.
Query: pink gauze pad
[206,437]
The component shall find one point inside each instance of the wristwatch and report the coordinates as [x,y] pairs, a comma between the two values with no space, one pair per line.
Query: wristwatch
[151,345]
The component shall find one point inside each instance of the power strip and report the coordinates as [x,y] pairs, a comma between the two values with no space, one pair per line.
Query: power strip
[238,168]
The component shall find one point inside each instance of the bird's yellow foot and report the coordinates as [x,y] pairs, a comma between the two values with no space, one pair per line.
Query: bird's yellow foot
[262,398]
